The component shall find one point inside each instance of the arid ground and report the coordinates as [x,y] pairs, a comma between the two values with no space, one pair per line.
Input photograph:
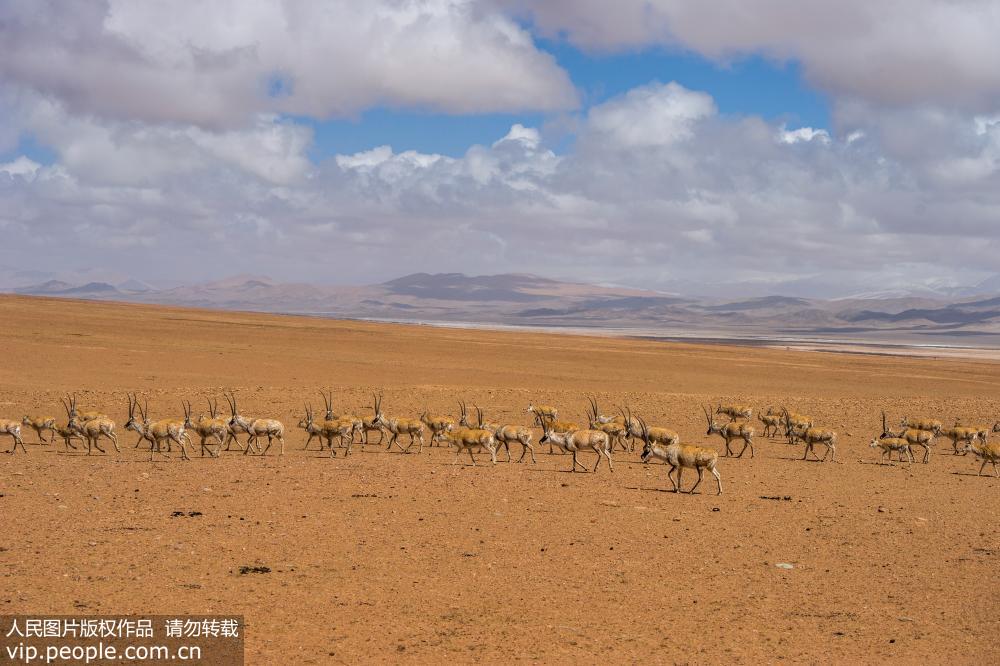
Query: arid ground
[384,555]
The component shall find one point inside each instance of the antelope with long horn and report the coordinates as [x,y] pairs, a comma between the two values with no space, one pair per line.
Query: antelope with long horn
[735,411]
[12,429]
[156,433]
[210,427]
[438,425]
[357,423]
[41,424]
[657,435]
[273,429]
[399,426]
[921,438]
[794,422]
[505,435]
[74,411]
[615,429]
[575,441]
[92,429]
[730,432]
[678,456]
[930,425]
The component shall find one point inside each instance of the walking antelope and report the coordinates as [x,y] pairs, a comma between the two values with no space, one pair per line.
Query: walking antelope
[580,440]
[312,428]
[657,435]
[207,427]
[438,425]
[543,413]
[730,431]
[988,452]
[601,418]
[679,456]
[813,436]
[772,421]
[357,424]
[930,425]
[12,429]
[735,411]
[256,428]
[73,411]
[66,435]
[795,422]
[914,437]
[613,426]
[505,435]
[91,429]
[471,439]
[40,424]
[890,444]
[963,434]
[399,426]
[157,432]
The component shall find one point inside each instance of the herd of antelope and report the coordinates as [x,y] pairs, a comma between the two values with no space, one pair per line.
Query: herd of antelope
[602,434]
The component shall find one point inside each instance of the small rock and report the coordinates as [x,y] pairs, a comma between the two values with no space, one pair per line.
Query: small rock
[784,565]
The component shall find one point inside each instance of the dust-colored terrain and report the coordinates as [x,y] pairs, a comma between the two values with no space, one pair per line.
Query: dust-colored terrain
[382,555]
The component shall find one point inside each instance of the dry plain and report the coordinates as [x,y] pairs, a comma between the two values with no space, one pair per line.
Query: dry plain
[386,556]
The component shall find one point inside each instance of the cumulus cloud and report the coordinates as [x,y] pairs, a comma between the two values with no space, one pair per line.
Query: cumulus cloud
[220,64]
[890,52]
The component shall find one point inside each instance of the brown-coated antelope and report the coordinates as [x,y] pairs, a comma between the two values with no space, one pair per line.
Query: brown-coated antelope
[795,422]
[357,423]
[67,435]
[888,445]
[960,434]
[813,436]
[12,429]
[543,413]
[729,432]
[41,424]
[988,452]
[930,425]
[207,427]
[678,456]
[74,412]
[472,439]
[157,432]
[580,440]
[772,421]
[921,438]
[92,429]
[397,426]
[256,428]
[657,435]
[735,411]
[507,434]
[613,426]
[438,425]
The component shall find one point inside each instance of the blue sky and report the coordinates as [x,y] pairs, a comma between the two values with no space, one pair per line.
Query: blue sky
[748,86]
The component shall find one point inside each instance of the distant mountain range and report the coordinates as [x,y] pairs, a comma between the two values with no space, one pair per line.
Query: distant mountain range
[527,300]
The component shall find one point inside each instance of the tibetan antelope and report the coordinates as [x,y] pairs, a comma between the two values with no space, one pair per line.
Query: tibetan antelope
[613,426]
[472,439]
[326,430]
[12,429]
[795,422]
[256,428]
[679,456]
[930,425]
[210,427]
[988,452]
[90,429]
[657,435]
[73,411]
[438,425]
[580,440]
[729,432]
[157,432]
[399,426]
[735,411]
[813,436]
[66,435]
[357,423]
[960,434]
[543,413]
[41,424]
[890,444]
[505,435]
[772,421]
[914,437]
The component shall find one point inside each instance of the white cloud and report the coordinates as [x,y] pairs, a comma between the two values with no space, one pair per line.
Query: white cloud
[888,52]
[221,64]
[22,166]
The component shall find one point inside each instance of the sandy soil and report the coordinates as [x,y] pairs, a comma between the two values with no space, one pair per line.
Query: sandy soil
[406,557]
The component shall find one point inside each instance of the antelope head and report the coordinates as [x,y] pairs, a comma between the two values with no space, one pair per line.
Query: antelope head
[713,426]
[328,399]
[187,414]
[463,420]
[307,421]
[237,420]
[379,418]
[647,447]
